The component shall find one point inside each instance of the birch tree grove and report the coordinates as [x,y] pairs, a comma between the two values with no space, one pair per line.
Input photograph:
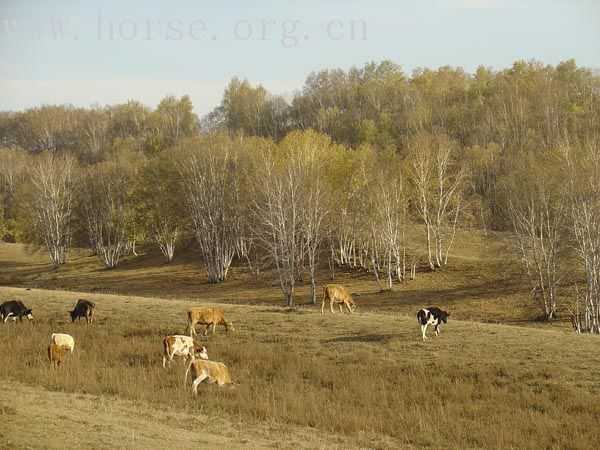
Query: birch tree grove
[310,152]
[277,207]
[390,211]
[582,172]
[535,208]
[400,162]
[439,183]
[13,172]
[49,205]
[106,209]
[159,200]
[210,171]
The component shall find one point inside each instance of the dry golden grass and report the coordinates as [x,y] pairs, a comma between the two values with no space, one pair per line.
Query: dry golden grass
[364,380]
[306,380]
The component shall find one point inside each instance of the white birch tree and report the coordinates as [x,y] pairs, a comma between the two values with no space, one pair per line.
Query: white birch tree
[107,209]
[48,204]
[438,180]
[210,171]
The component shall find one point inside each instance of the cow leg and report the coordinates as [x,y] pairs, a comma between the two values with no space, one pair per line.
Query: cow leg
[197,381]
[437,330]
[206,330]
[341,308]
[7,316]
[168,358]
[214,327]
[423,330]
[331,305]
[323,304]
[187,370]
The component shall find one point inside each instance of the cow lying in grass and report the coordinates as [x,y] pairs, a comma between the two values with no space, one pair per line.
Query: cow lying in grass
[208,317]
[56,355]
[336,293]
[65,341]
[214,372]
[431,316]
[179,345]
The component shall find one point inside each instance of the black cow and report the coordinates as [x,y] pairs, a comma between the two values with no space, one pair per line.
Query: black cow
[83,308]
[432,316]
[15,309]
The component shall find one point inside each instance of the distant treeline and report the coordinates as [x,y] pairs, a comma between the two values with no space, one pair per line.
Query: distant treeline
[340,174]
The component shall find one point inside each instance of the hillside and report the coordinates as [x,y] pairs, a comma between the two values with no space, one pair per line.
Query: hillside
[483,281]
[305,380]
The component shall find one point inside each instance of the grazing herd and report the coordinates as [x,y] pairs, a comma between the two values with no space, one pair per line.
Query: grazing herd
[187,347]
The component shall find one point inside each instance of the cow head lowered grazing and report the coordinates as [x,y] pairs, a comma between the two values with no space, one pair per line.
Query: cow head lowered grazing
[336,293]
[212,371]
[83,308]
[14,309]
[431,316]
[209,317]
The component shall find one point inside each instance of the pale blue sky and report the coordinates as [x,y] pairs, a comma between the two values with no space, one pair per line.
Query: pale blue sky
[82,69]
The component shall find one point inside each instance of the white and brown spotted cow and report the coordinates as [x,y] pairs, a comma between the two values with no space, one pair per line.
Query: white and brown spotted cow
[180,345]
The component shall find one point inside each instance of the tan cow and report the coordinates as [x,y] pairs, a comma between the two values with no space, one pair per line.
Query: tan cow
[179,345]
[336,293]
[56,355]
[208,317]
[215,372]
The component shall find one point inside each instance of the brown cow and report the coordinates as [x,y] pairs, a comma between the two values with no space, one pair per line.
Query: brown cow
[56,355]
[208,317]
[336,293]
[83,308]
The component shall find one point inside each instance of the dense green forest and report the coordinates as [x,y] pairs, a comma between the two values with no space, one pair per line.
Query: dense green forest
[338,174]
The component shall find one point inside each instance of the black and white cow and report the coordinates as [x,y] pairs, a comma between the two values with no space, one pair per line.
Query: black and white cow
[14,309]
[431,316]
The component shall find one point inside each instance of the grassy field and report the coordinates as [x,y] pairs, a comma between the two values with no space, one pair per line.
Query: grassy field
[305,380]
